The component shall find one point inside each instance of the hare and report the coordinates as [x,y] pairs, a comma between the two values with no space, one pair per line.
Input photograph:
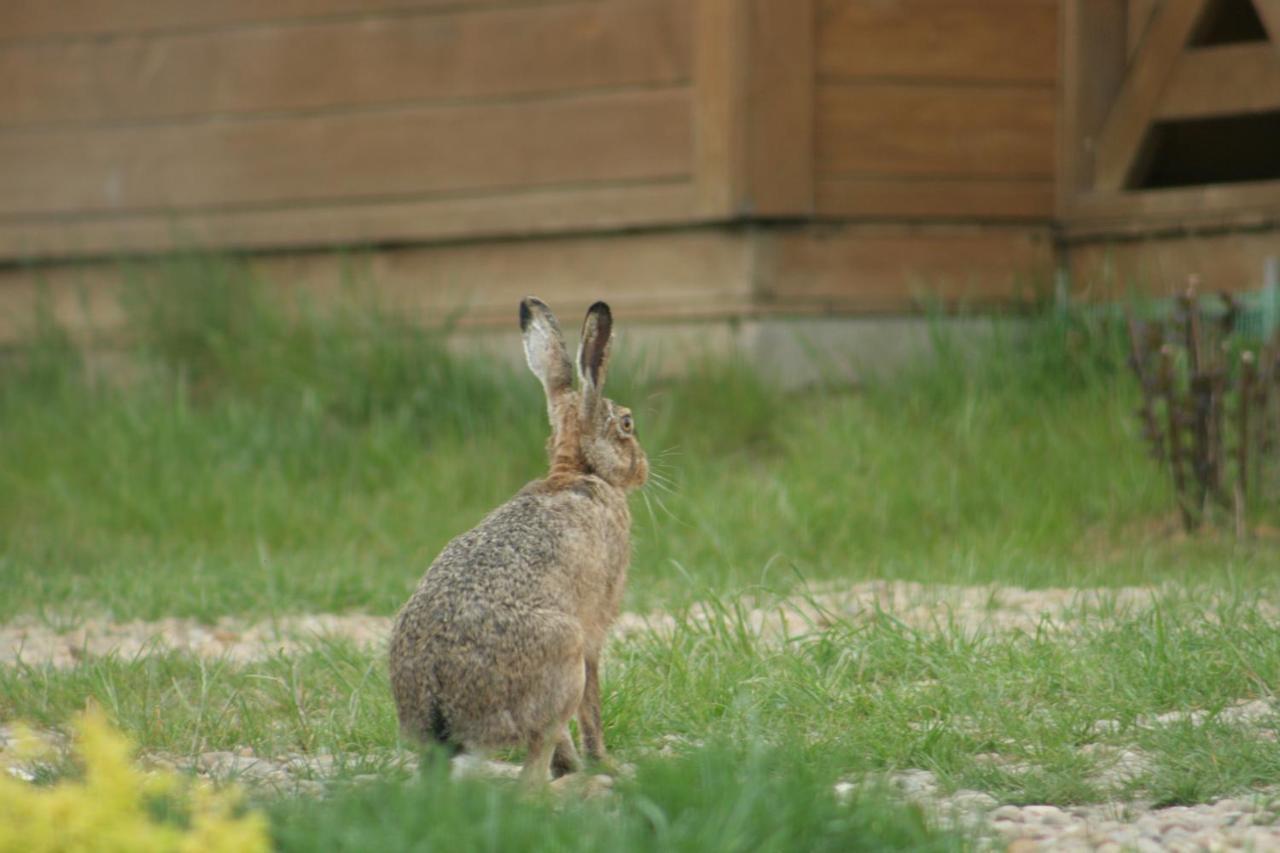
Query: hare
[499,645]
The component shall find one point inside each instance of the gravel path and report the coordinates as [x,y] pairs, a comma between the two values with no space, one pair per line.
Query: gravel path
[970,608]
[1245,823]
[1235,823]
[35,644]
[1240,823]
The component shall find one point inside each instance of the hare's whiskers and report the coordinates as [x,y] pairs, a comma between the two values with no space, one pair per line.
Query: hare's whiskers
[646,494]
[660,482]
[653,518]
[677,519]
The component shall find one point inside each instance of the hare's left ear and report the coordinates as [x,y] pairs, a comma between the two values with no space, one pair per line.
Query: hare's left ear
[593,355]
[545,351]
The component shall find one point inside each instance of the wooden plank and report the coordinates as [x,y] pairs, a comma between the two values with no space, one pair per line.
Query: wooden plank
[653,276]
[780,104]
[635,136]
[1120,144]
[657,275]
[721,33]
[1136,23]
[1094,61]
[1269,12]
[1225,261]
[537,213]
[994,40]
[935,198]
[1211,206]
[42,19]
[885,268]
[960,131]
[1227,80]
[316,66]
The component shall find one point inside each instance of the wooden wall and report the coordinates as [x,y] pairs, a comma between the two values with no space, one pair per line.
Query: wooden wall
[250,123]
[702,274]
[936,109]
[880,152]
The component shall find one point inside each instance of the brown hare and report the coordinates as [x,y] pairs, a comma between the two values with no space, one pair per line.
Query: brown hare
[499,645]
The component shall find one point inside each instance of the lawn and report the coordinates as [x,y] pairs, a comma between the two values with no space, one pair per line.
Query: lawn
[250,458]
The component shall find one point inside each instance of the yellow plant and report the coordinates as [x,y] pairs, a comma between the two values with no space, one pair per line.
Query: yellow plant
[117,807]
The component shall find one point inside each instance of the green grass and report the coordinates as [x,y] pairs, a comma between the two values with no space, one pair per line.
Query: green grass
[724,798]
[866,698]
[254,456]
[266,456]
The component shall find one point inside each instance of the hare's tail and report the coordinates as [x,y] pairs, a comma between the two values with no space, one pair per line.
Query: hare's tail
[432,729]
[440,731]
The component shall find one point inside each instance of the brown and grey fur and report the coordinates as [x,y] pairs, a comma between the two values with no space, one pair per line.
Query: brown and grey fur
[500,644]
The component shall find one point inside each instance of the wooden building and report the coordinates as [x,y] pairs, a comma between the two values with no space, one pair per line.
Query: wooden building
[686,158]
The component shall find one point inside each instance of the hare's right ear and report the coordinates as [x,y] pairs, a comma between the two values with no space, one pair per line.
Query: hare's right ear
[593,355]
[544,348]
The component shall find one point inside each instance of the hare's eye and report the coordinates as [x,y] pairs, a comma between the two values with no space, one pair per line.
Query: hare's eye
[627,424]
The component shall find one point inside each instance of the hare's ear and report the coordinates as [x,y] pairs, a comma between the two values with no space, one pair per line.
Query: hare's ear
[593,354]
[544,347]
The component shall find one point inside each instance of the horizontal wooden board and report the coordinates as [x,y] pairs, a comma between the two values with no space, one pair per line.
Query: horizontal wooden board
[35,19]
[883,129]
[1219,81]
[708,273]
[316,66]
[1100,214]
[1224,261]
[416,220]
[884,268]
[648,276]
[995,40]
[658,275]
[934,198]
[391,154]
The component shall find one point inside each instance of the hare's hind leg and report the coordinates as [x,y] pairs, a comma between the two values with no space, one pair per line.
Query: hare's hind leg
[589,713]
[553,742]
[545,677]
[537,764]
[565,758]
[551,753]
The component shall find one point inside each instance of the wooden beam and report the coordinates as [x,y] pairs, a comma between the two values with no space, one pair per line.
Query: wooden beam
[1250,205]
[1269,12]
[780,109]
[1120,145]
[1227,80]
[1139,16]
[753,107]
[1094,56]
[719,106]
